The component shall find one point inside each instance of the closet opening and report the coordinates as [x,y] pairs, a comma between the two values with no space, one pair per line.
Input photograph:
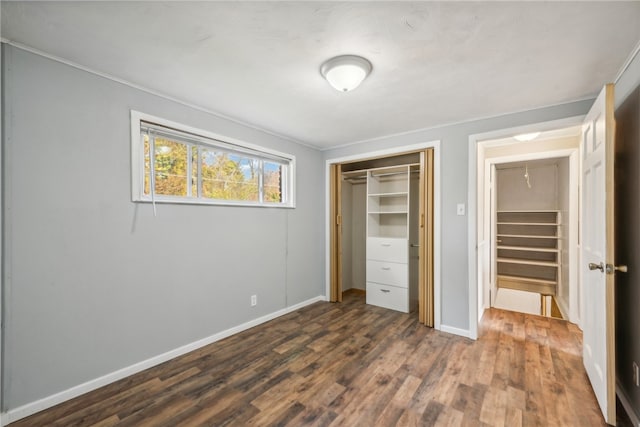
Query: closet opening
[381,240]
[529,224]
[531,261]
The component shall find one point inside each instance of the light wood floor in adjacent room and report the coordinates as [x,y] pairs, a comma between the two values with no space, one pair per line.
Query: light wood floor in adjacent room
[351,364]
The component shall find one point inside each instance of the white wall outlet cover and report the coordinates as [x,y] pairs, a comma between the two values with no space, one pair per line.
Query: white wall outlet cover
[460,209]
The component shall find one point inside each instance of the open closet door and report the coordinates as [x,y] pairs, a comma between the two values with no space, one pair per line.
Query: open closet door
[425,257]
[335,222]
[598,261]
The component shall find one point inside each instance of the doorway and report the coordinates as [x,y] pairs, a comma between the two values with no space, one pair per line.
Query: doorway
[401,211]
[528,197]
[532,236]
[478,199]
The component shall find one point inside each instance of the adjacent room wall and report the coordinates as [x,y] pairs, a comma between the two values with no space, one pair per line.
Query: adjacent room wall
[95,283]
[627,290]
[627,249]
[454,189]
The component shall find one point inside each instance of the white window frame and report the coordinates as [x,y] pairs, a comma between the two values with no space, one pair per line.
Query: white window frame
[205,139]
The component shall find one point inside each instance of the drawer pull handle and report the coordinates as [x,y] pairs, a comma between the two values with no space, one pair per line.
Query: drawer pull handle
[386,268]
[386,244]
[386,291]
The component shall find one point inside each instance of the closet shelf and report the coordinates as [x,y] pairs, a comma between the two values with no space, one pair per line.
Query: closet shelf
[528,236]
[396,194]
[528,279]
[538,237]
[388,212]
[387,261]
[528,284]
[529,223]
[527,248]
[529,211]
[528,262]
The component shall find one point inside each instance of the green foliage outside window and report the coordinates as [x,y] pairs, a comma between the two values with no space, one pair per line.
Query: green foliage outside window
[224,175]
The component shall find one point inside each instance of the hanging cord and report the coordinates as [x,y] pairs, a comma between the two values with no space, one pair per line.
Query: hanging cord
[526,175]
[152,162]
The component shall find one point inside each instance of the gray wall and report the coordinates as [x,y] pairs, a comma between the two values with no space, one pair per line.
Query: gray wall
[454,166]
[354,207]
[359,236]
[628,285]
[347,245]
[94,282]
[627,249]
[513,192]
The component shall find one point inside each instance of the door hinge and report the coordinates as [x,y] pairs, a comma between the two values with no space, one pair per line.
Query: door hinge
[339,220]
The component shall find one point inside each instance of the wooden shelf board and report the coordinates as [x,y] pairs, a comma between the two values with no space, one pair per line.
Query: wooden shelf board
[389,170]
[386,213]
[543,287]
[396,194]
[527,248]
[527,279]
[528,236]
[528,262]
[555,224]
[530,211]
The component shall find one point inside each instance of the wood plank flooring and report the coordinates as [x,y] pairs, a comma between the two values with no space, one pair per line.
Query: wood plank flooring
[351,364]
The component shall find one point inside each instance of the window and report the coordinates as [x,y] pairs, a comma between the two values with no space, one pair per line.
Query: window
[177,164]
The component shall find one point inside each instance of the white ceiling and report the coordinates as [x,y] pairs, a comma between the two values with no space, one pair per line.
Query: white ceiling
[258,62]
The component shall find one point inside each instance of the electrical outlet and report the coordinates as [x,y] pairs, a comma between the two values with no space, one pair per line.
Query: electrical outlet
[254,300]
[636,375]
[460,209]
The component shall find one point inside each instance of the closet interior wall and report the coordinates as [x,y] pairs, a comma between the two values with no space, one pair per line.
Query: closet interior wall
[354,239]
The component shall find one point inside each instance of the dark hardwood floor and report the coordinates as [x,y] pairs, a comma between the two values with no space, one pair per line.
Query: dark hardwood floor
[351,364]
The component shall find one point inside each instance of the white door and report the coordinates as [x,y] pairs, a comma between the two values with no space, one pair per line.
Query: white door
[597,251]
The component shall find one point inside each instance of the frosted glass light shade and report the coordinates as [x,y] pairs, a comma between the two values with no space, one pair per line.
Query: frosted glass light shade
[345,72]
[527,136]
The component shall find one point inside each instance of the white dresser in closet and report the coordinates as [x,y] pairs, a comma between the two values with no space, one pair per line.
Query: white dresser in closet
[387,237]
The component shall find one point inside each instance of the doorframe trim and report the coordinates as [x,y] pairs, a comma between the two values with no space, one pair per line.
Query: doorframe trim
[472,201]
[437,182]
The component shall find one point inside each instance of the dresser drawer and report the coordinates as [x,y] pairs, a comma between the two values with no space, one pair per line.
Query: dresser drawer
[388,273]
[388,297]
[383,249]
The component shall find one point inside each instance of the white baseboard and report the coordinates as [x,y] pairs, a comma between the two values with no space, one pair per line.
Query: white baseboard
[627,405]
[55,399]
[456,331]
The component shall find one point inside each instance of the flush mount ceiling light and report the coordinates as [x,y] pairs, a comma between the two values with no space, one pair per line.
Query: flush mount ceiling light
[346,72]
[527,136]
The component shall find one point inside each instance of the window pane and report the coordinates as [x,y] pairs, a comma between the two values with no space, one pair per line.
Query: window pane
[193,168]
[272,182]
[227,176]
[170,167]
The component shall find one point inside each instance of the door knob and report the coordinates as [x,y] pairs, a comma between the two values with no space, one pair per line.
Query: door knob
[594,266]
[613,268]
